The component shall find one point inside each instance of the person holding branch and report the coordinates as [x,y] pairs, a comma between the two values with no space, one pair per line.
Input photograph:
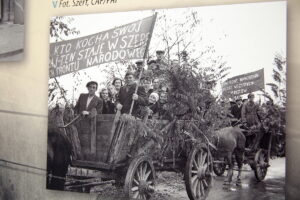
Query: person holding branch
[131,93]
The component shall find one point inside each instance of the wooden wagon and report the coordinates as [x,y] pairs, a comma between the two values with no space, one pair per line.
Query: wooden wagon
[129,152]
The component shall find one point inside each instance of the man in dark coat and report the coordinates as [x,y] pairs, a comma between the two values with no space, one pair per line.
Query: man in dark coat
[236,109]
[163,108]
[88,105]
[108,106]
[250,112]
[127,94]
[250,116]
[161,60]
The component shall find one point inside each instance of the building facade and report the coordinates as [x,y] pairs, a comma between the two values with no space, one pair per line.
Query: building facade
[12,11]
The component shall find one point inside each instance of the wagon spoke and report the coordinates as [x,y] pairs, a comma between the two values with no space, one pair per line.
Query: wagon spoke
[259,171]
[145,171]
[135,181]
[199,156]
[201,189]
[205,167]
[194,186]
[141,172]
[261,160]
[136,188]
[194,172]
[138,174]
[205,183]
[150,182]
[203,158]
[193,179]
[196,164]
[135,195]
[147,175]
[151,188]
[143,196]
[198,194]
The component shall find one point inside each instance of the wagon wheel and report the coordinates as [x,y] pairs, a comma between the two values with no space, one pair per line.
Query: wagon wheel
[261,164]
[219,167]
[198,176]
[140,179]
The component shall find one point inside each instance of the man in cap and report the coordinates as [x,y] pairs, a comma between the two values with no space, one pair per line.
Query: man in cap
[236,110]
[127,94]
[152,65]
[160,60]
[250,116]
[89,104]
[146,81]
[249,113]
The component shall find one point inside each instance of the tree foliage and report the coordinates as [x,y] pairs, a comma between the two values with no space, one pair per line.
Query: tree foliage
[61,27]
[278,86]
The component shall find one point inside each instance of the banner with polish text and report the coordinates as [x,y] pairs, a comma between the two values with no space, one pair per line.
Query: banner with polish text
[125,42]
[244,84]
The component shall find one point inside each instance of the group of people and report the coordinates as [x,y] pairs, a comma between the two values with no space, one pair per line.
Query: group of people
[245,111]
[135,97]
[251,113]
[259,119]
[142,96]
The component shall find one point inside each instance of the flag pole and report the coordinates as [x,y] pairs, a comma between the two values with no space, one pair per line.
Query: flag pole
[61,91]
[144,58]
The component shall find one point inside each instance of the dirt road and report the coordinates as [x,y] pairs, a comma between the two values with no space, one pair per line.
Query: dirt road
[170,186]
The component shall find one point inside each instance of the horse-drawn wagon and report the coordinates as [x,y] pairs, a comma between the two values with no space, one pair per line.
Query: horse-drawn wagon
[257,152]
[129,151]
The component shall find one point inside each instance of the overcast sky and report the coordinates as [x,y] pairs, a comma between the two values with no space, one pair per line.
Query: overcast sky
[246,35]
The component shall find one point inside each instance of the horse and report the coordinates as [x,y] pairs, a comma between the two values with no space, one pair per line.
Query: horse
[230,141]
[58,159]
[59,150]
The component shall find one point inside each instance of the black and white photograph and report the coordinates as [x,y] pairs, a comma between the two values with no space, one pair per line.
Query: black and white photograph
[180,103]
[11,30]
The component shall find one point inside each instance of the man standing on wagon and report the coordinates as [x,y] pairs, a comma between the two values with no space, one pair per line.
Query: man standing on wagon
[249,113]
[236,109]
[250,116]
[88,105]
[127,94]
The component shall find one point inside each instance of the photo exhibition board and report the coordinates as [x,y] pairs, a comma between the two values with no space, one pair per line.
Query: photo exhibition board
[214,64]
[189,63]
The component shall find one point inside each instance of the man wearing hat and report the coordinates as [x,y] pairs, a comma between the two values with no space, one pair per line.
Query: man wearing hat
[250,116]
[152,65]
[250,112]
[89,104]
[127,94]
[160,60]
[236,109]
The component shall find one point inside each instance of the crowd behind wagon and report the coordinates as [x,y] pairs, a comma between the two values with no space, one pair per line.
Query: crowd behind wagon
[150,95]
[146,93]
